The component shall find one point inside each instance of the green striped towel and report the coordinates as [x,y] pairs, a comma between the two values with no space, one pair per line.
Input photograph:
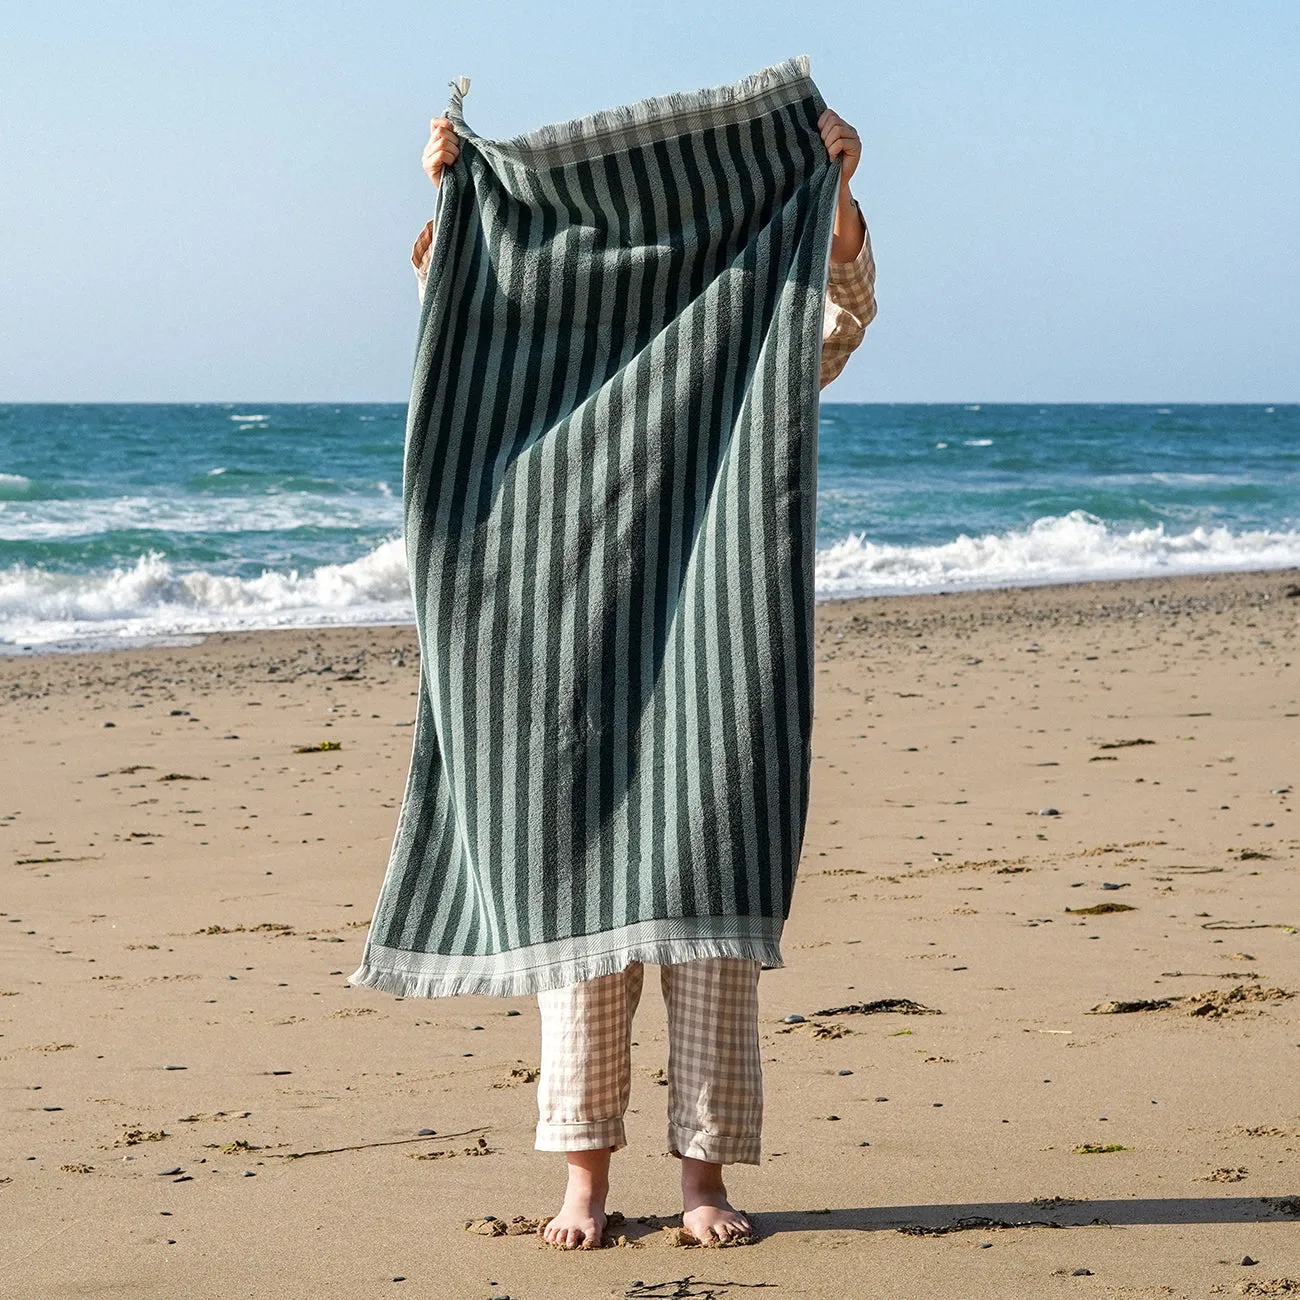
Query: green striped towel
[610,491]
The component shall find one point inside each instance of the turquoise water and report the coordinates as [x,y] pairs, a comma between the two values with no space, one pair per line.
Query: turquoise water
[120,522]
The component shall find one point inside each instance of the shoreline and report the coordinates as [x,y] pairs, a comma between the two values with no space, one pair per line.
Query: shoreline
[1124,587]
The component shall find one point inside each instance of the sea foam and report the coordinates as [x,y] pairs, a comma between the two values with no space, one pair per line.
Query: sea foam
[1075,547]
[153,598]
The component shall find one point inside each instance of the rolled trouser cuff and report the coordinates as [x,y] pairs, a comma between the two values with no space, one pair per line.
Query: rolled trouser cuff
[591,1135]
[717,1148]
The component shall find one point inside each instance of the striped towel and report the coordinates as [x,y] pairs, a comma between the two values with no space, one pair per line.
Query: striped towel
[610,491]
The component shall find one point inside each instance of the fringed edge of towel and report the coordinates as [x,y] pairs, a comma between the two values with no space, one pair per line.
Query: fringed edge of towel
[431,975]
[641,122]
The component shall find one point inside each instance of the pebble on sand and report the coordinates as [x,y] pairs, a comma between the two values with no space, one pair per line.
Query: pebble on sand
[794,1018]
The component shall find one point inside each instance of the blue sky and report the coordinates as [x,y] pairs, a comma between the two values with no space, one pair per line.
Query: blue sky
[1068,201]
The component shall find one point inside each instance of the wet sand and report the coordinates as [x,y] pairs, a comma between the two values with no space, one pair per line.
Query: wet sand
[184,894]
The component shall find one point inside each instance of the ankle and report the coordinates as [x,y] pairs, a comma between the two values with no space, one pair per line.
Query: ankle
[588,1174]
[702,1176]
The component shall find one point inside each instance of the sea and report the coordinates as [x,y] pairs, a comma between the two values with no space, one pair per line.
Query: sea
[130,524]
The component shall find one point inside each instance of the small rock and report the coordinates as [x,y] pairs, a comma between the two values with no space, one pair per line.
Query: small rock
[1247,1261]
[427,1133]
[794,1018]
[184,1178]
[1281,789]
[1082,1272]
[842,1073]
[1049,812]
[514,1012]
[399,1278]
[167,1173]
[110,724]
[249,1173]
[1107,884]
[175,1067]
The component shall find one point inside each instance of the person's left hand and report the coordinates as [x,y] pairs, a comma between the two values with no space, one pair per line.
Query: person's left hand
[841,141]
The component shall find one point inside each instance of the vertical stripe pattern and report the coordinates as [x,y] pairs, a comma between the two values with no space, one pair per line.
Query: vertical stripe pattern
[609,497]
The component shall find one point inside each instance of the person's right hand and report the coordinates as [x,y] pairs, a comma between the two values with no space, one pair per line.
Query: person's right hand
[442,150]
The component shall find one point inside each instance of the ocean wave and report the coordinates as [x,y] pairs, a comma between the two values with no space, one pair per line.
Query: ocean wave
[153,598]
[1076,547]
[262,512]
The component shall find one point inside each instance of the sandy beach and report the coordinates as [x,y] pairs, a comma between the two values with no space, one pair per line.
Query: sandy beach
[197,1104]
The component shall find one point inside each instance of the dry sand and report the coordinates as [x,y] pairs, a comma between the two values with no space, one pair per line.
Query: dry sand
[184,895]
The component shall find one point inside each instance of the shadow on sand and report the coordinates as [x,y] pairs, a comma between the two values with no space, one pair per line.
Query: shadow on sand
[987,1216]
[1049,1212]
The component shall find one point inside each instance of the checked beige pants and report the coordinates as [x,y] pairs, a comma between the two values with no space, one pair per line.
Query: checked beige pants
[715,1082]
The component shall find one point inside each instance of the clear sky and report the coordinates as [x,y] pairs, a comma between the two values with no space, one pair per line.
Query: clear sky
[1070,200]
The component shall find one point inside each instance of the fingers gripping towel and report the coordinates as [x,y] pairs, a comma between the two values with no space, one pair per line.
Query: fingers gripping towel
[610,489]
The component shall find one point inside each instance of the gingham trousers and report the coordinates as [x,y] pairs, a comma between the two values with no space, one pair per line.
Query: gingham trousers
[715,1080]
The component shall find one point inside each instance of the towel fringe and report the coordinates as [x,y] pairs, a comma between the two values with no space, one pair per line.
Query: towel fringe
[512,984]
[612,121]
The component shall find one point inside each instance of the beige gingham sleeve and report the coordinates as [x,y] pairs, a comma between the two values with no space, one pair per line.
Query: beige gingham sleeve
[850,299]
[850,306]
[420,258]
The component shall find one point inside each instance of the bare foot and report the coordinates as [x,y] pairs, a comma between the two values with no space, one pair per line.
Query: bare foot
[706,1213]
[580,1224]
